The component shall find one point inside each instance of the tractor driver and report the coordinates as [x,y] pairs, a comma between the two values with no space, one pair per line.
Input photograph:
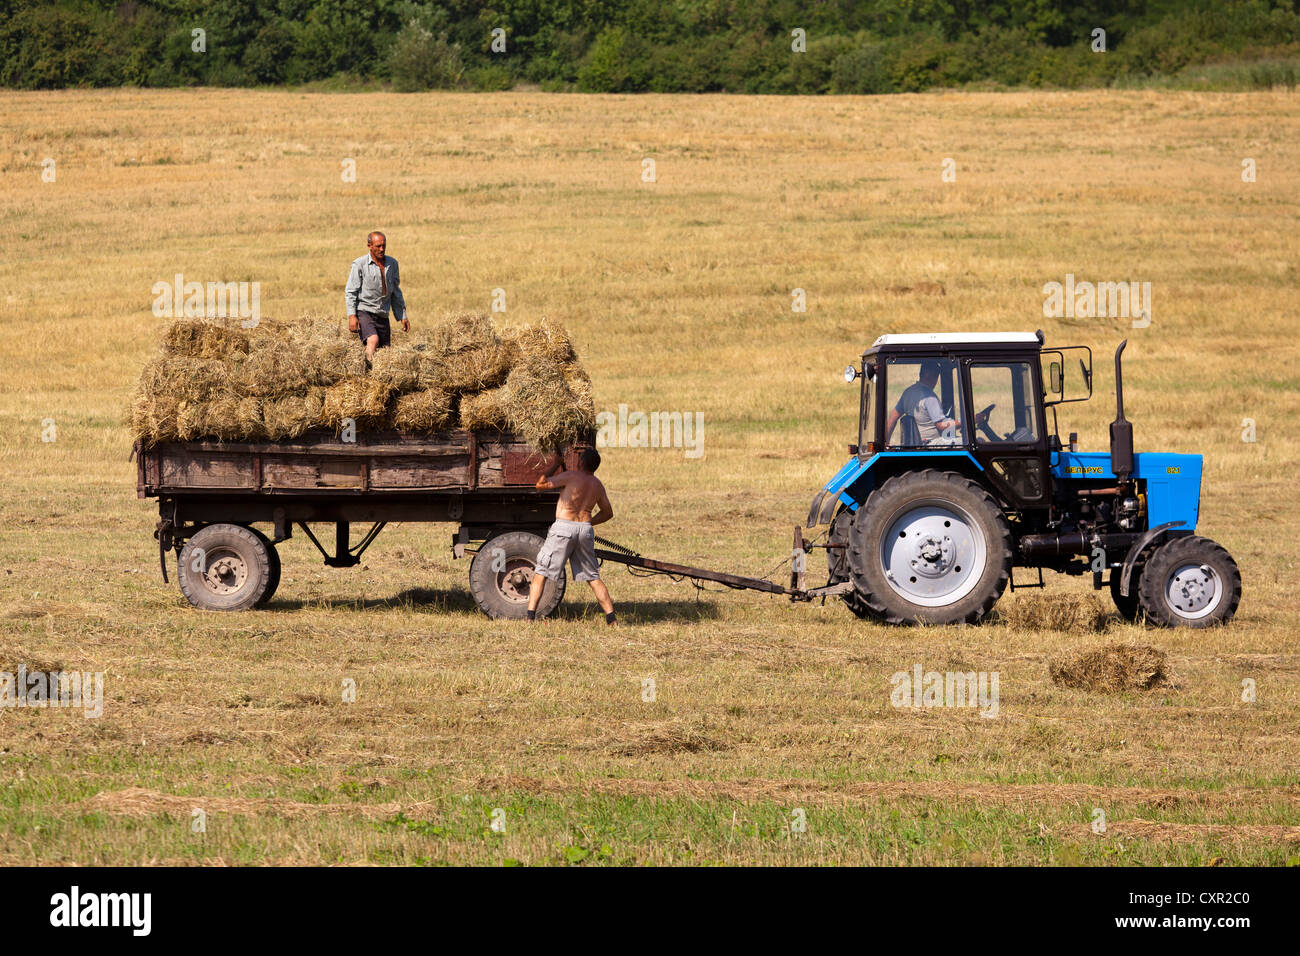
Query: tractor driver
[919,401]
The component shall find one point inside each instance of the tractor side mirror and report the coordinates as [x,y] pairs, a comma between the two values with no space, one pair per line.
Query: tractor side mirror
[1054,374]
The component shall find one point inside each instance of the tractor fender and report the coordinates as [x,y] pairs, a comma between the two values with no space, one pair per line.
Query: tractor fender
[1138,546]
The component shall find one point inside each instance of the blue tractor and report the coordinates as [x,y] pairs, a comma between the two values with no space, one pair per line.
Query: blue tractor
[956,481]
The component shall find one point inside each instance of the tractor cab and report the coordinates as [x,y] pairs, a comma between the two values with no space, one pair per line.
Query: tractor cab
[979,396]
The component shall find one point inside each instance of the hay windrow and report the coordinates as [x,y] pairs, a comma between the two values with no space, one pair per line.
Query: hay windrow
[1112,668]
[278,380]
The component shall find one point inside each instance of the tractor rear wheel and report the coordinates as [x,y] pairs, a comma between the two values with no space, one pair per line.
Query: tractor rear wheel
[930,547]
[501,573]
[1190,582]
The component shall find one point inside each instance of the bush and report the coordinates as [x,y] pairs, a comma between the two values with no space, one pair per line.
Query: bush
[490,78]
[421,60]
[863,69]
[616,63]
[269,53]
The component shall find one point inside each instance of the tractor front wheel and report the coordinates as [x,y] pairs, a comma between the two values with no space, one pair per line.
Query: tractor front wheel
[837,558]
[930,547]
[1190,582]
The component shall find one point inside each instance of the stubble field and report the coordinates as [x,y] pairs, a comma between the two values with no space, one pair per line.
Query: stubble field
[765,715]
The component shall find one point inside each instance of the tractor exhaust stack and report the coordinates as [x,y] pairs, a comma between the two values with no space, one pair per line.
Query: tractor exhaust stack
[1121,430]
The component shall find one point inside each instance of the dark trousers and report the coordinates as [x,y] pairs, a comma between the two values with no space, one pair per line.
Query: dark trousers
[374,323]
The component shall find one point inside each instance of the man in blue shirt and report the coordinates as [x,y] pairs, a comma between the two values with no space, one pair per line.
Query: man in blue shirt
[373,284]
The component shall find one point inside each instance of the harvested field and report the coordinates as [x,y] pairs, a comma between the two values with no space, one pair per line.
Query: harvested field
[678,294]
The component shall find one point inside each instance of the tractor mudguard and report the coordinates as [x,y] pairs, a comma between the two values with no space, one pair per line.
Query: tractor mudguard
[1130,560]
[835,491]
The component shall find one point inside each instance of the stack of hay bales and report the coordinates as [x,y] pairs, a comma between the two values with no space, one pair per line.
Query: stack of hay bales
[213,380]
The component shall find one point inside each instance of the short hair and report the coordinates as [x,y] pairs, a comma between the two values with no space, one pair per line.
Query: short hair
[370,236]
[590,459]
[929,369]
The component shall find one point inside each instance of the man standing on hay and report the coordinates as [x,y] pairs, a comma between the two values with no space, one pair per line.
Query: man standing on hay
[572,536]
[373,284]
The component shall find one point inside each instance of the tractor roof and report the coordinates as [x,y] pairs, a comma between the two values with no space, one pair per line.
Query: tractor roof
[961,338]
[957,343]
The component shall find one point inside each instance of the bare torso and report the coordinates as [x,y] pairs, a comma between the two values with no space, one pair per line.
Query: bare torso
[580,493]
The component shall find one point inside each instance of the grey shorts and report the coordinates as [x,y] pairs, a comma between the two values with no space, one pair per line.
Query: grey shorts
[572,541]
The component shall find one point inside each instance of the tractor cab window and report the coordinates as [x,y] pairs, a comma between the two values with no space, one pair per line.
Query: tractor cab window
[922,397]
[1006,403]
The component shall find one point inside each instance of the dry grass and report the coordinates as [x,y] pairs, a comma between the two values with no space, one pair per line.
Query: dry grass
[677,295]
[1113,668]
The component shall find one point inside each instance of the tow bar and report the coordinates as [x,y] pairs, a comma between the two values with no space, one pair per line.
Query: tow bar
[621,555]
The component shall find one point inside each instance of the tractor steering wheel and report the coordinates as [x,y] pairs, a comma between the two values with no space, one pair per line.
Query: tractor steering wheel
[982,422]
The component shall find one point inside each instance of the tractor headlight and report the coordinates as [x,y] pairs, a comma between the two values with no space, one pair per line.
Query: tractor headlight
[850,373]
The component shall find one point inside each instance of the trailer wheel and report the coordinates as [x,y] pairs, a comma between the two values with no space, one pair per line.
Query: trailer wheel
[930,547]
[837,560]
[500,575]
[224,567]
[273,574]
[1190,582]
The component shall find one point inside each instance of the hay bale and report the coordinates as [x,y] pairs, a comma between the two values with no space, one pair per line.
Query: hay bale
[358,397]
[547,339]
[196,338]
[398,367]
[166,383]
[292,415]
[332,361]
[227,416]
[485,410]
[469,370]
[428,410]
[540,407]
[274,372]
[460,333]
[1113,668]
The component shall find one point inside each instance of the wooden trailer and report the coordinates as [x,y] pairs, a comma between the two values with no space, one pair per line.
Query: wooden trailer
[212,496]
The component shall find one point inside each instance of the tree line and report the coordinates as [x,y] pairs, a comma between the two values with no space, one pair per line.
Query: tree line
[741,46]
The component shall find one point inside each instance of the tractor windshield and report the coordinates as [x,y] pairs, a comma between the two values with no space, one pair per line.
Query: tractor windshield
[1006,403]
[923,399]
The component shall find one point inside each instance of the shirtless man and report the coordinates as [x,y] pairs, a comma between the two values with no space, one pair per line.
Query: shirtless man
[572,536]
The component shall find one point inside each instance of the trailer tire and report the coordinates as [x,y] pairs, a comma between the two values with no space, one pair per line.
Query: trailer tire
[273,574]
[930,547]
[501,572]
[224,567]
[1190,581]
